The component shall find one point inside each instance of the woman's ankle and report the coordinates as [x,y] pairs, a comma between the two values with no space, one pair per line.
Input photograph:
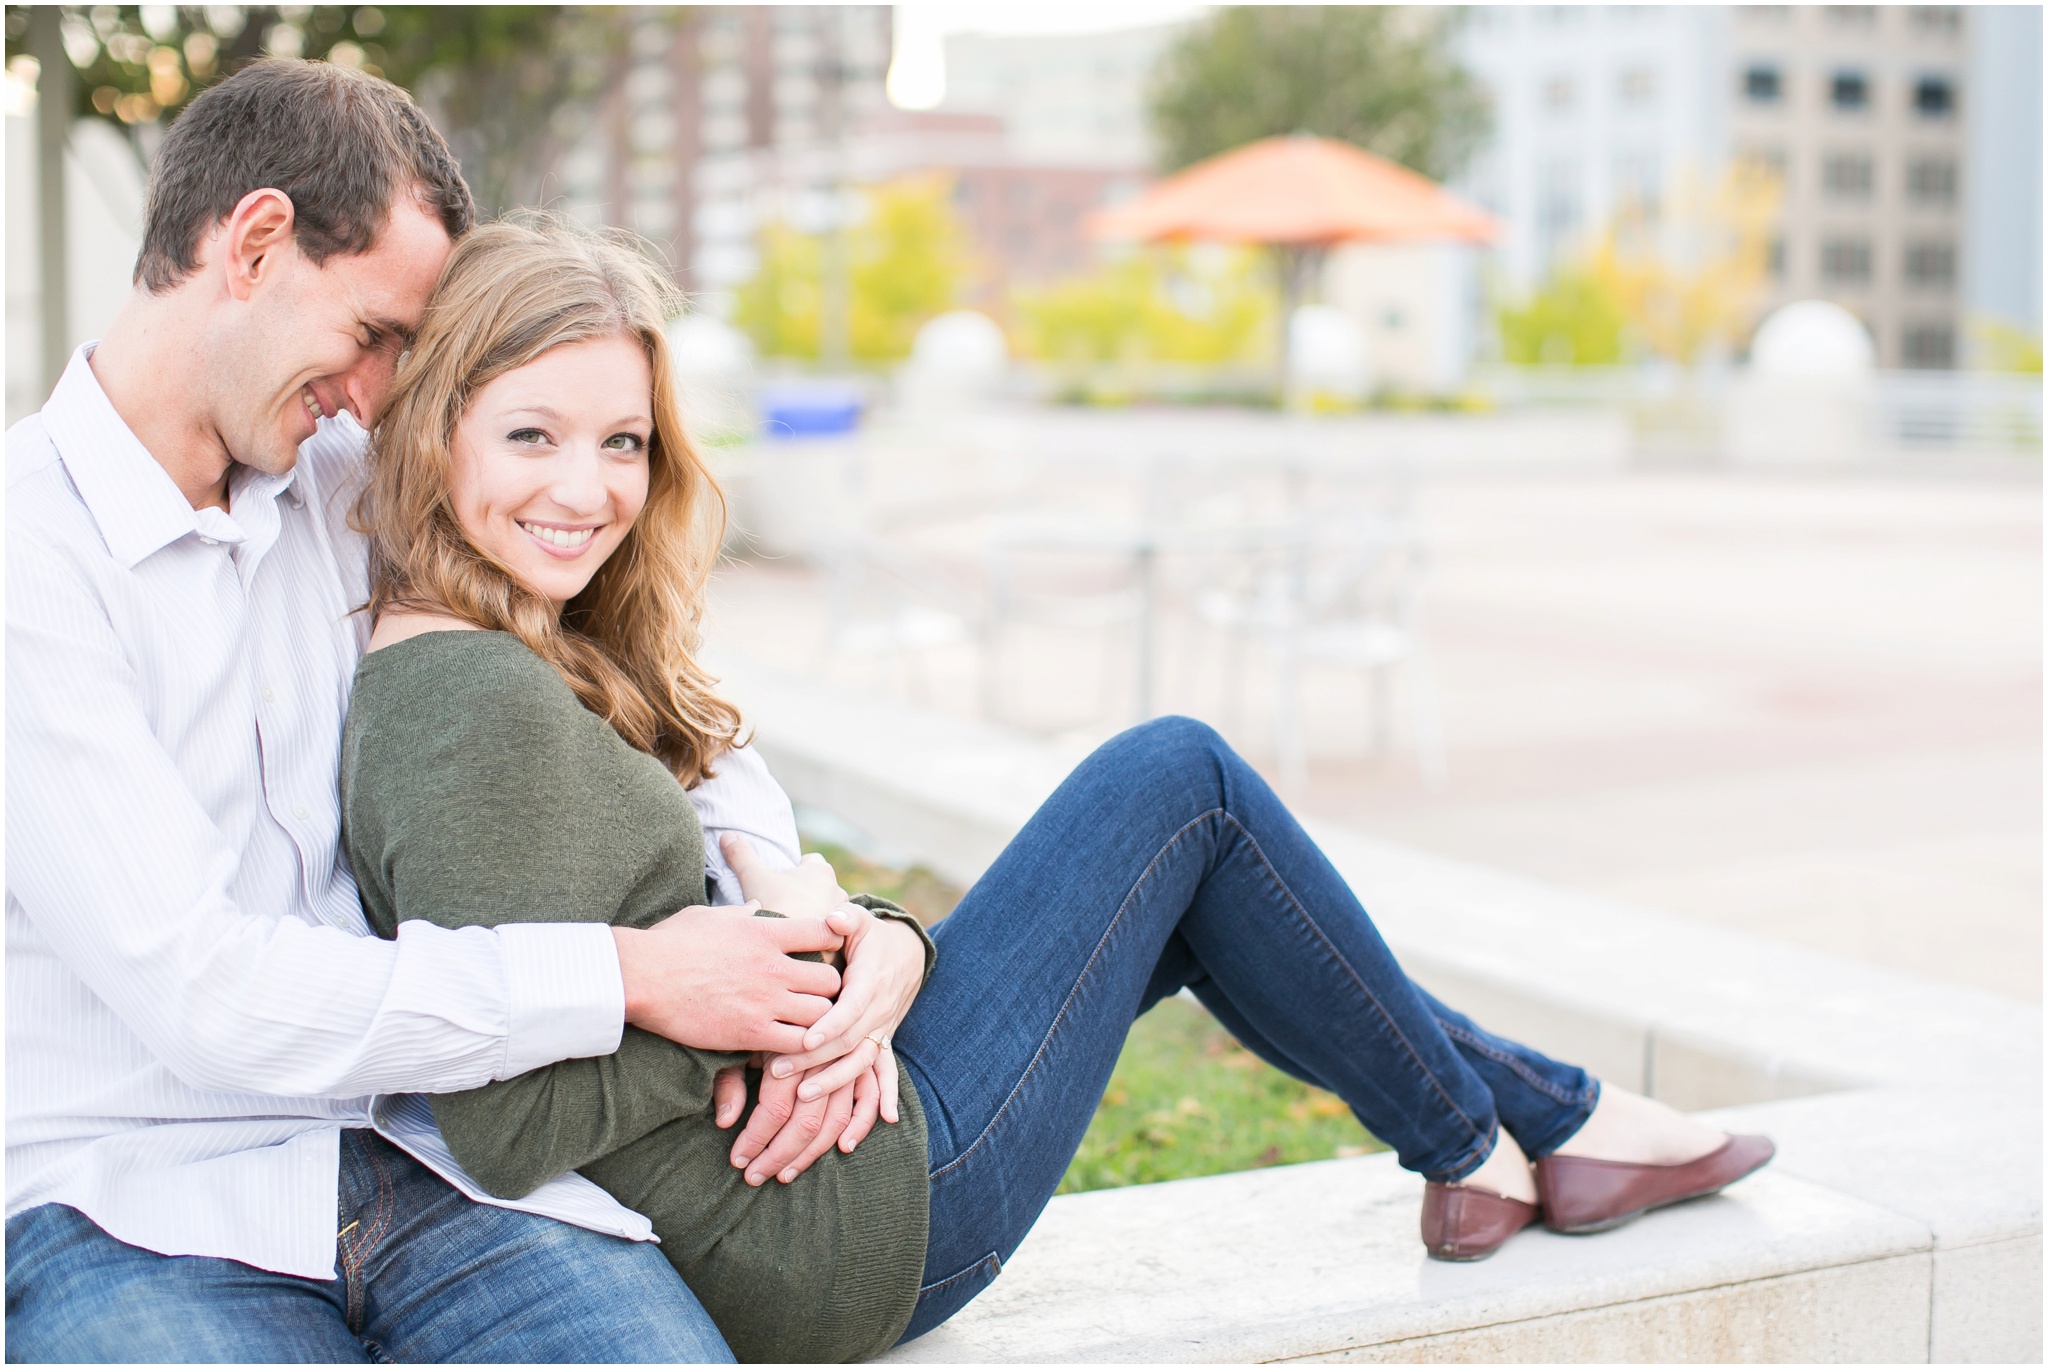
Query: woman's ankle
[1505,1172]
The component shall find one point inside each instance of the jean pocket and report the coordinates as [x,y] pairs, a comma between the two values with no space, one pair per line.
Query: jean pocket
[968,1281]
[938,1301]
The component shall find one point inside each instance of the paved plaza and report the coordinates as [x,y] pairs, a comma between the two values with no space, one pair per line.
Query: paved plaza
[1804,706]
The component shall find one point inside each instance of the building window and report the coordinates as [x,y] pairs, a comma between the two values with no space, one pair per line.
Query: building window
[1558,94]
[1557,206]
[1762,85]
[1849,90]
[1769,160]
[1638,87]
[1931,180]
[1851,16]
[1930,346]
[1942,20]
[1638,183]
[1931,264]
[1934,97]
[1845,261]
[1848,176]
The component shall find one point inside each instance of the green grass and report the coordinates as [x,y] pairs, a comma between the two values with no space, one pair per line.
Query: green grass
[1185,1098]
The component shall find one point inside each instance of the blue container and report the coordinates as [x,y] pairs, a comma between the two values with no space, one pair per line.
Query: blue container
[819,410]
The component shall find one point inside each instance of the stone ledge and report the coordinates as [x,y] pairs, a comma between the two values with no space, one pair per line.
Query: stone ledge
[1902,1220]
[1322,1260]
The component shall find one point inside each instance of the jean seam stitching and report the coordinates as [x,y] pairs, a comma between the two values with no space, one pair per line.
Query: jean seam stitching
[1481,1137]
[1520,1067]
[1060,1018]
[359,1254]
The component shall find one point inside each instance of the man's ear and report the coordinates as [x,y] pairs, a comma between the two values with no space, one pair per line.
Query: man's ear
[252,236]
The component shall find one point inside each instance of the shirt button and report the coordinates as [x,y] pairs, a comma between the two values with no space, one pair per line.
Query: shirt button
[299,812]
[269,695]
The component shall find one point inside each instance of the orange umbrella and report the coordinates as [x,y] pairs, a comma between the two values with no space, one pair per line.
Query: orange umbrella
[1299,191]
[1299,195]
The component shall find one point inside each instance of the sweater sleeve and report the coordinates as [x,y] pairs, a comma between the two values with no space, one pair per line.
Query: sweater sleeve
[491,804]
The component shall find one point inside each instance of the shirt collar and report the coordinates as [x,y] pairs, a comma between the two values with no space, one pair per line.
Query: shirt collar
[138,507]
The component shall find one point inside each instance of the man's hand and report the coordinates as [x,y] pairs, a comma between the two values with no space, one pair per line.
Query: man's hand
[808,890]
[722,979]
[884,971]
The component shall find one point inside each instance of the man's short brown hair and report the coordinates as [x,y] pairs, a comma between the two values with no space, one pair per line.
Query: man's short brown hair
[341,143]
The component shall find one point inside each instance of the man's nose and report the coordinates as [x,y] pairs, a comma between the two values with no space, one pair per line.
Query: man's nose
[368,384]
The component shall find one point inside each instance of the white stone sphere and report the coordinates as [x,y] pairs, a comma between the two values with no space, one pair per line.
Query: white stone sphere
[705,348]
[963,344]
[1812,340]
[1327,351]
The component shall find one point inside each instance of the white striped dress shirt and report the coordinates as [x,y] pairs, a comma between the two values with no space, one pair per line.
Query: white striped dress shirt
[195,1005]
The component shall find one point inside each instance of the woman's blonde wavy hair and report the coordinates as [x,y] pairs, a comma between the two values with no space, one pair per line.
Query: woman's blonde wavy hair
[627,644]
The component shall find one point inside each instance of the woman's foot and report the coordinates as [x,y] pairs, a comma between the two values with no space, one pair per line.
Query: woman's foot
[1470,1219]
[1640,1131]
[1635,1154]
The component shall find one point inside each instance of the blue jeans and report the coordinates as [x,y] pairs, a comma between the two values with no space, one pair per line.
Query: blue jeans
[1164,862]
[426,1275]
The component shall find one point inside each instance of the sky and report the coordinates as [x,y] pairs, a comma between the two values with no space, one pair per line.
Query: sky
[917,71]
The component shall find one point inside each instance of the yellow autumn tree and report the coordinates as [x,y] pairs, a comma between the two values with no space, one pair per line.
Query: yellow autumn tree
[908,258]
[1675,286]
[1694,282]
[1161,304]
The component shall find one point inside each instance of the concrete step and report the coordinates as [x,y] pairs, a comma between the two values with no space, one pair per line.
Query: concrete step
[1900,1222]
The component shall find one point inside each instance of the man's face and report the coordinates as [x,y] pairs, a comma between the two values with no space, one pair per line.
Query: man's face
[315,340]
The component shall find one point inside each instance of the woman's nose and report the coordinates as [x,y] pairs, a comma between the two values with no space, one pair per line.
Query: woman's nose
[579,484]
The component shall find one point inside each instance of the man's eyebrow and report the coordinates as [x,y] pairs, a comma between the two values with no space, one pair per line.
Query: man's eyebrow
[403,332]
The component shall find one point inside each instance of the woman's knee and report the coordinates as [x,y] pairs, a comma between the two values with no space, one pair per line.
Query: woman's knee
[1175,741]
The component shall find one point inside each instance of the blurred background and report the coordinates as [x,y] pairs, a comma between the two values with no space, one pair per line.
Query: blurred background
[1600,442]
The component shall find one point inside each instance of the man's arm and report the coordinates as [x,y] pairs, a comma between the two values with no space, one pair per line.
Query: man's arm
[124,872]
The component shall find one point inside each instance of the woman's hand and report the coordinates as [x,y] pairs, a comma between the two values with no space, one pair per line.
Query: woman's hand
[808,890]
[787,1134]
[884,970]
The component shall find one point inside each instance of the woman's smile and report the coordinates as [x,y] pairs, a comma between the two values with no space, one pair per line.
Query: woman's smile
[558,540]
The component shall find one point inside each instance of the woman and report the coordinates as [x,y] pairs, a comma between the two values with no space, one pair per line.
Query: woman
[529,730]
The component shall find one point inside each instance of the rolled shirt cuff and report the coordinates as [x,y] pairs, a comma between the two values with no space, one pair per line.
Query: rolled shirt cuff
[567,998]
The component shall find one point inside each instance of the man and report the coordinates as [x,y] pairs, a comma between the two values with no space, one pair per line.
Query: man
[208,1057]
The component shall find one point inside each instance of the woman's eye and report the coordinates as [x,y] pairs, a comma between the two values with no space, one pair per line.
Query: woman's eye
[526,437]
[625,442]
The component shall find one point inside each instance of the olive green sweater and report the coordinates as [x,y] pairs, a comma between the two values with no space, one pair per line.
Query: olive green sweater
[477,789]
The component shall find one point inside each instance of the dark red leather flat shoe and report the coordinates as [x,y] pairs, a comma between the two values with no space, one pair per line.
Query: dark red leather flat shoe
[1581,1196]
[1460,1223]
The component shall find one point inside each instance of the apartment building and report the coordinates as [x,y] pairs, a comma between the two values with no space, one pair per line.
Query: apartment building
[1864,110]
[1901,202]
[1596,109]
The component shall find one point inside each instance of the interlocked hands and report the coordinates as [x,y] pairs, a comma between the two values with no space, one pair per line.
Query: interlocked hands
[841,1075]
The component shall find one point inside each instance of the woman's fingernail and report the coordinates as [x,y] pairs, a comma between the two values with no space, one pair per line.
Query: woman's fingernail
[812,1040]
[787,1175]
[782,1069]
[754,1178]
[807,1092]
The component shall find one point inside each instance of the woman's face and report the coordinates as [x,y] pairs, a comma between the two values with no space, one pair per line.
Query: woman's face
[550,462]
